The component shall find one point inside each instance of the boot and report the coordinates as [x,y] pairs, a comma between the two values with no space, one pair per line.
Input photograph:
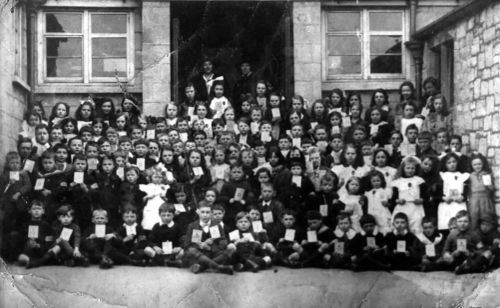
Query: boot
[41,261]
[225,269]
[251,266]
[173,263]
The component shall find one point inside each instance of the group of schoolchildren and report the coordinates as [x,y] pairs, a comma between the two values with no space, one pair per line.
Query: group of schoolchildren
[244,184]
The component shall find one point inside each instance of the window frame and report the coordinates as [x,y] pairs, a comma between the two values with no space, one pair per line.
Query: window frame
[365,34]
[86,79]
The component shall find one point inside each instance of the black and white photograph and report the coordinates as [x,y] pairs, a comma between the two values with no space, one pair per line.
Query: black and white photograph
[270,154]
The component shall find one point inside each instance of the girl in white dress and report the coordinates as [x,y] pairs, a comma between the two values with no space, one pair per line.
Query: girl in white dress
[155,192]
[378,201]
[352,165]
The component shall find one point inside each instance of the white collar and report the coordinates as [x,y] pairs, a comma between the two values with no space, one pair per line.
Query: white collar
[375,232]
[339,233]
[425,240]
[131,226]
[207,224]
[396,232]
[170,224]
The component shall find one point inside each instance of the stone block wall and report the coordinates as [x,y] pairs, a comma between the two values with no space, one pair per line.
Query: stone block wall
[13,96]
[477,84]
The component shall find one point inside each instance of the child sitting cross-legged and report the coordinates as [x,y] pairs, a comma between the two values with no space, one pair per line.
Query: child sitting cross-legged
[429,246]
[399,250]
[165,239]
[368,247]
[205,244]
[97,239]
[249,253]
[286,237]
[315,246]
[339,250]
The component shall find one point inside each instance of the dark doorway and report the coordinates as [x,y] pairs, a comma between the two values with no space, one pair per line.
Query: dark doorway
[228,32]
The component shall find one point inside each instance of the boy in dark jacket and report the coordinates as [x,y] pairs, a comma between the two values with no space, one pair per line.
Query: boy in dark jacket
[429,247]
[400,242]
[368,247]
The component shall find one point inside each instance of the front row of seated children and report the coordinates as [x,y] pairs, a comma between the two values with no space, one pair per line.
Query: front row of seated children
[253,246]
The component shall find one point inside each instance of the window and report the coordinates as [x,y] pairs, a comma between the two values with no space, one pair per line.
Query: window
[21,68]
[87,46]
[364,44]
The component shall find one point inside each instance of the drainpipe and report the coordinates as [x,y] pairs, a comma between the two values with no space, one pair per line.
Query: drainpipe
[416,47]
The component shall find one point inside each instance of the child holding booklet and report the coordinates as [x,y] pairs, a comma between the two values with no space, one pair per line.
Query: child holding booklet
[481,190]
[96,243]
[368,247]
[399,243]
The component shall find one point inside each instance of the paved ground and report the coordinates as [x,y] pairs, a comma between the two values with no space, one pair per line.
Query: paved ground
[126,286]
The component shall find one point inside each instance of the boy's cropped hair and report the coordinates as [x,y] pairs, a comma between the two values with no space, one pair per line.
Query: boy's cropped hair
[411,127]
[48,155]
[267,185]
[24,140]
[462,213]
[41,126]
[141,141]
[258,143]
[119,153]
[313,215]
[218,207]
[289,212]
[425,135]
[401,215]
[429,219]
[99,211]
[166,208]
[342,216]
[244,120]
[241,215]
[38,203]
[124,139]
[283,136]
[203,203]
[84,129]
[91,144]
[12,155]
[336,136]
[330,178]
[132,167]
[129,208]
[65,210]
[237,165]
[367,142]
[367,219]
[79,156]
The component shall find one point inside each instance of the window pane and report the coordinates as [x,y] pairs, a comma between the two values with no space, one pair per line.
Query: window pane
[109,23]
[63,23]
[386,21]
[107,67]
[344,65]
[343,21]
[64,47]
[344,45]
[109,47]
[385,64]
[381,44]
[64,67]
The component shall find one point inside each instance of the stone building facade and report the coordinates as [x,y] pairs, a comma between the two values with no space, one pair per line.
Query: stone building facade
[474,32]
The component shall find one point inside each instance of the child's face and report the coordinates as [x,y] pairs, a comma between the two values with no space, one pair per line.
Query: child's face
[376,181]
[355,112]
[165,140]
[156,178]
[256,116]
[129,218]
[427,165]
[288,221]
[336,144]
[369,228]
[410,169]
[375,116]
[320,135]
[406,92]
[274,101]
[141,150]
[297,131]
[136,133]
[326,186]
[112,137]
[424,144]
[189,91]
[438,105]
[381,159]
[236,173]
[451,164]
[284,144]
[201,111]
[266,127]
[127,105]
[182,126]
[396,140]
[125,146]
[194,159]
[97,128]
[412,135]
[42,136]
[204,213]
[335,120]
[243,128]
[353,187]
[180,197]
[210,196]
[366,150]
[106,107]
[485,227]
[266,193]
[314,224]
[254,215]
[477,165]
[263,177]
[48,164]
[80,165]
[154,148]
[99,218]
[56,135]
[463,223]
[408,111]
[344,224]
[225,139]
[108,165]
[167,156]
[61,111]
[120,161]
[296,170]
[219,90]
[335,99]
[350,155]
[245,106]
[86,111]
[274,159]
[86,136]
[229,115]
[33,120]
[131,176]
[143,124]
[243,224]
[455,144]
[452,225]
[400,224]
[294,119]
[296,104]
[69,128]
[219,157]
[260,89]
[319,108]
[25,149]
[76,146]
[36,212]
[65,219]
[178,148]
[166,217]
[199,140]
[217,215]
[358,135]
[428,229]
[92,152]
[14,164]
[171,111]
[160,126]
[120,122]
